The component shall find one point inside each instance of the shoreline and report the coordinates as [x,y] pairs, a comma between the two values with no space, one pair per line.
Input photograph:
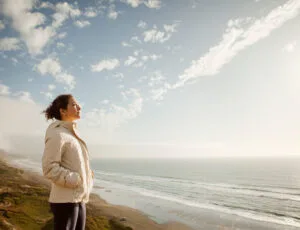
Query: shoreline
[133,218]
[137,219]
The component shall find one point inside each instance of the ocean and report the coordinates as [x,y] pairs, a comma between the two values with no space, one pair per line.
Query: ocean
[260,192]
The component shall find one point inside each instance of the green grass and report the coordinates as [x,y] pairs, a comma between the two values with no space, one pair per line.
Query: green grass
[24,205]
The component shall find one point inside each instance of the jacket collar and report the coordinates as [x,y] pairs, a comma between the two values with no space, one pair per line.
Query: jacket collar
[70,125]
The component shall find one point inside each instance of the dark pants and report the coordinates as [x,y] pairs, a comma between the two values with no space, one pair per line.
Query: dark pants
[69,216]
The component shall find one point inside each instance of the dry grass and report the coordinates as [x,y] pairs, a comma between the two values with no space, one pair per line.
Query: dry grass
[24,205]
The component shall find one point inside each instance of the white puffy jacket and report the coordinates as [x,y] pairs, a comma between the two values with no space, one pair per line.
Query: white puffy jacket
[66,163]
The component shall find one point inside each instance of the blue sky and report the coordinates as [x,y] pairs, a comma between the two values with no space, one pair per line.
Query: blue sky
[155,78]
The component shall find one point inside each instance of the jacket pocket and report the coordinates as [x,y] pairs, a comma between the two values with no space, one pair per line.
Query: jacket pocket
[73,180]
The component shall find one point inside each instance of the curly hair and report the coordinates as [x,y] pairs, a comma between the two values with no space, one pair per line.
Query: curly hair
[60,102]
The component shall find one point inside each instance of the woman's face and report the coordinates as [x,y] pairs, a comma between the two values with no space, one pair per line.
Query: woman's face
[72,112]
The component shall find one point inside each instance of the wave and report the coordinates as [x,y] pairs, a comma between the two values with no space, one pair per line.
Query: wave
[254,214]
[249,190]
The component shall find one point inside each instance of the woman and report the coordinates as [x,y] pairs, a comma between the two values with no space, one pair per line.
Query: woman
[66,163]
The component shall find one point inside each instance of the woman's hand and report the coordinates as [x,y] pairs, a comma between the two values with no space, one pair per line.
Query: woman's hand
[73,180]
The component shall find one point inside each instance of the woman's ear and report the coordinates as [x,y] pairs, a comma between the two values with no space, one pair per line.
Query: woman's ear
[62,112]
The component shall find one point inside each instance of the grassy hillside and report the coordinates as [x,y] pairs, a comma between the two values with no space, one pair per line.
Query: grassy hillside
[24,205]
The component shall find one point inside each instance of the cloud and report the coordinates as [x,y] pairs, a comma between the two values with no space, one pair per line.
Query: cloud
[49,65]
[82,23]
[111,118]
[130,60]
[156,4]
[171,28]
[156,79]
[137,52]
[60,45]
[37,39]
[125,44]
[4,90]
[105,102]
[108,64]
[119,76]
[154,35]
[135,39]
[158,86]
[235,39]
[155,57]
[112,13]
[18,112]
[62,35]
[63,12]
[290,47]
[28,127]
[28,24]
[48,95]
[137,61]
[130,93]
[2,26]
[133,3]
[31,24]
[158,94]
[46,5]
[51,87]
[8,44]
[142,24]
[24,97]
[67,79]
[90,12]
[28,130]
[145,58]
[52,66]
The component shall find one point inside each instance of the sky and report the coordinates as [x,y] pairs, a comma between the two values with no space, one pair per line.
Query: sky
[155,78]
